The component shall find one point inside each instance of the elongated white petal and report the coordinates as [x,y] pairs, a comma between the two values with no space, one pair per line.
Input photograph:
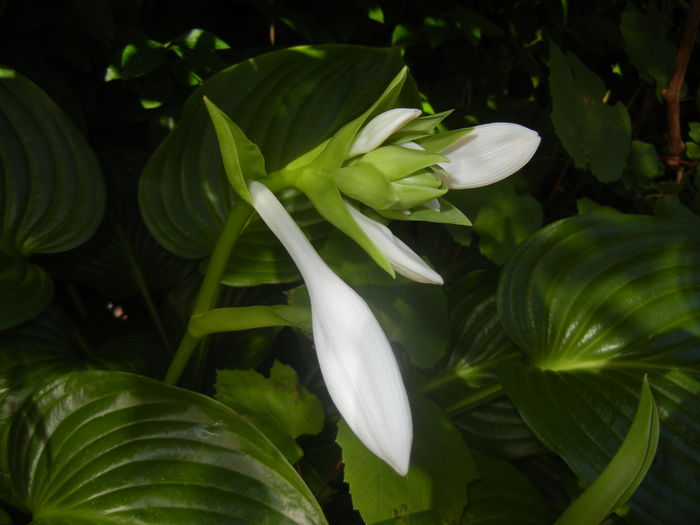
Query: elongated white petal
[404,260]
[491,152]
[356,359]
[380,128]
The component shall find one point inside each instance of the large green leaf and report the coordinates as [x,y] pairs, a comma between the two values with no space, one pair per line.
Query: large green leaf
[596,135]
[286,102]
[435,489]
[596,301]
[51,193]
[467,385]
[111,447]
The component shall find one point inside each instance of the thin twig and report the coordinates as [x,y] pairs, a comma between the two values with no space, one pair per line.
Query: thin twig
[673,92]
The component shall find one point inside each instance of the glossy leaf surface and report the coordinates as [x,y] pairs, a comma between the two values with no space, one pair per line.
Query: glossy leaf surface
[110,447]
[596,301]
[51,193]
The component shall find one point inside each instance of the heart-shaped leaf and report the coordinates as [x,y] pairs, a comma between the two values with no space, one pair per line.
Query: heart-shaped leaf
[286,102]
[51,193]
[110,447]
[596,301]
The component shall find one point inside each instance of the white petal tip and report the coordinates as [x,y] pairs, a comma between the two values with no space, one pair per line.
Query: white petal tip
[402,258]
[490,153]
[380,128]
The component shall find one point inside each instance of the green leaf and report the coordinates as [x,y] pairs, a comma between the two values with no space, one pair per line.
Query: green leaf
[25,290]
[242,158]
[280,405]
[51,193]
[435,488]
[286,102]
[646,44]
[671,207]
[597,301]
[501,217]
[645,161]
[110,447]
[415,315]
[625,471]
[467,385]
[136,59]
[596,135]
[504,496]
[694,131]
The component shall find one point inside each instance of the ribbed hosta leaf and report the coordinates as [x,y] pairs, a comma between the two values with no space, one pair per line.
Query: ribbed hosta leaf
[596,301]
[111,447]
[479,347]
[286,102]
[51,192]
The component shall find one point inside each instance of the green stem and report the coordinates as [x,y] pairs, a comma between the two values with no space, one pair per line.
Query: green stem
[138,276]
[235,223]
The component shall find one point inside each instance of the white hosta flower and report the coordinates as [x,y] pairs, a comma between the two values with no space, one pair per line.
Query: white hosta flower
[404,260]
[491,152]
[380,128]
[356,359]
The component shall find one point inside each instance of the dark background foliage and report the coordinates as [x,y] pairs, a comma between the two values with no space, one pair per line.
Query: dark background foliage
[122,70]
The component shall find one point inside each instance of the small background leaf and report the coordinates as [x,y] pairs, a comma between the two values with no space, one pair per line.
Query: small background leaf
[596,135]
[500,216]
[645,40]
[435,489]
[280,405]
